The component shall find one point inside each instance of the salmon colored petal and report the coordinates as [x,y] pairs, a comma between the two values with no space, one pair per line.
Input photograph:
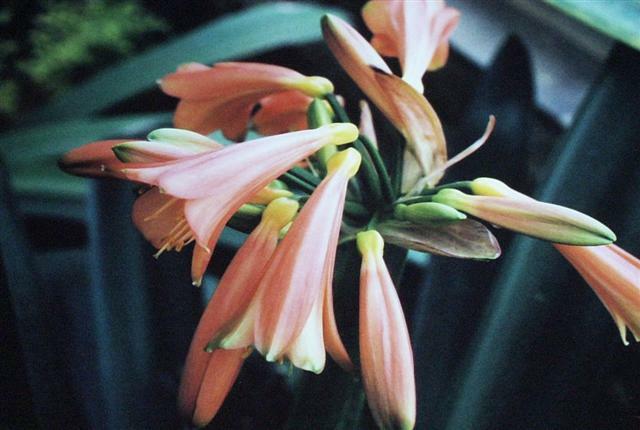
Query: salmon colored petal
[223,96]
[234,293]
[407,109]
[229,115]
[281,113]
[386,357]
[222,371]
[94,159]
[614,275]
[366,123]
[416,32]
[160,219]
[227,80]
[296,277]
[332,341]
[358,58]
[420,125]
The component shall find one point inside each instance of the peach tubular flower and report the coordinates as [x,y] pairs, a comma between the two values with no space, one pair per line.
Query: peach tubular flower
[95,159]
[545,221]
[407,109]
[385,348]
[416,32]
[295,292]
[614,275]
[235,291]
[217,183]
[223,96]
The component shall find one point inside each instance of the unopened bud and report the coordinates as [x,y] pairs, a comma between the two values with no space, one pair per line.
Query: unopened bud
[427,213]
[545,221]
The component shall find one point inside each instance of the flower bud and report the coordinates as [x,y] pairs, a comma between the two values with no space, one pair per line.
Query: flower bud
[427,213]
[545,221]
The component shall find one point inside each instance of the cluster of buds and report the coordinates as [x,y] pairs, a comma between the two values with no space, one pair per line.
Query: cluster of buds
[315,180]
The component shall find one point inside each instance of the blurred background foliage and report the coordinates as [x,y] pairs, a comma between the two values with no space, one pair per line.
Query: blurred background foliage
[517,343]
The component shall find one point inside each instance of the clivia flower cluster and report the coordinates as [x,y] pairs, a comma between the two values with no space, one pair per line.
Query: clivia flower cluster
[313,180]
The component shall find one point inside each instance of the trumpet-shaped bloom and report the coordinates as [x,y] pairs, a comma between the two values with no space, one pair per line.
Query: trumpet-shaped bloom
[528,216]
[416,32]
[614,275]
[232,297]
[217,183]
[289,320]
[292,315]
[407,109]
[223,96]
[385,348]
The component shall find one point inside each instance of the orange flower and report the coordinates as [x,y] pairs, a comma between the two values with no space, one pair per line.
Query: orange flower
[614,275]
[416,32]
[385,348]
[223,96]
[296,288]
[291,316]
[406,108]
[229,302]
[217,183]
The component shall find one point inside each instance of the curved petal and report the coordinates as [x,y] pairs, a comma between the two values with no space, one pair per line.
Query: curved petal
[222,371]
[614,275]
[297,276]
[386,357]
[416,32]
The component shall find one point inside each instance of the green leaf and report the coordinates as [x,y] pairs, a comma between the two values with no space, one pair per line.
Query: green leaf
[617,19]
[253,31]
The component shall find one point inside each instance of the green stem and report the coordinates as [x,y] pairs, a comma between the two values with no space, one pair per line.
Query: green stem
[338,110]
[381,168]
[294,181]
[427,194]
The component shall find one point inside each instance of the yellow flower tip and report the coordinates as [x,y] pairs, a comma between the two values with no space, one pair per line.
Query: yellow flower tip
[315,86]
[280,212]
[341,132]
[494,187]
[268,194]
[370,241]
[348,159]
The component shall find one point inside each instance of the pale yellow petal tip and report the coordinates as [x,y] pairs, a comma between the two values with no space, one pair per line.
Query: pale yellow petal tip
[370,241]
[314,86]
[348,159]
[281,211]
[493,187]
[341,132]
